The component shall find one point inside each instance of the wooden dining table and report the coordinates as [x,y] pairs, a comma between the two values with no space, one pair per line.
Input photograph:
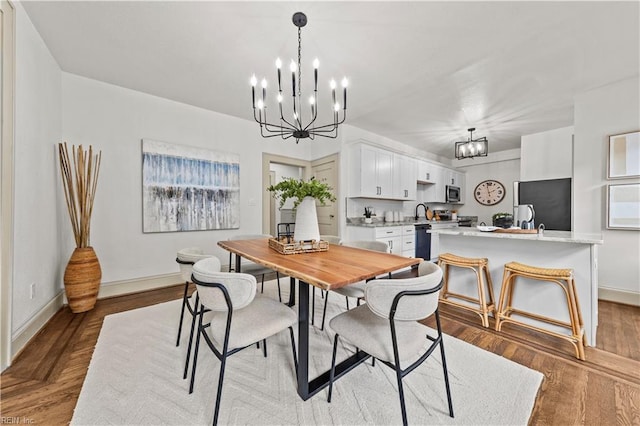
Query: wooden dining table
[337,267]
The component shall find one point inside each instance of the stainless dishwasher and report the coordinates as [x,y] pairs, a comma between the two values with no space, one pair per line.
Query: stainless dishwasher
[423,240]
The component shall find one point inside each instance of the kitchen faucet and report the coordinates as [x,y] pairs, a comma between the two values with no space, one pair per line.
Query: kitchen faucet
[425,210]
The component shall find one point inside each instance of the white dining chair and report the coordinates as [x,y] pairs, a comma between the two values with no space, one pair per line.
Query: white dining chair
[232,317]
[253,268]
[186,258]
[386,326]
[355,290]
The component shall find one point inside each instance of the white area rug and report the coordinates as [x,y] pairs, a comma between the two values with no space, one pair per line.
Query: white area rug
[135,378]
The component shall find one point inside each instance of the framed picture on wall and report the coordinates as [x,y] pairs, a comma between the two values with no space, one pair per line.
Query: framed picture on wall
[623,206]
[188,188]
[624,156]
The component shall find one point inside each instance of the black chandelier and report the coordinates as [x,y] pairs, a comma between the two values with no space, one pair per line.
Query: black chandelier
[472,147]
[295,127]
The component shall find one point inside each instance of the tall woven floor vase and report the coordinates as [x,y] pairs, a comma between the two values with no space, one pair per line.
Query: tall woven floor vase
[82,279]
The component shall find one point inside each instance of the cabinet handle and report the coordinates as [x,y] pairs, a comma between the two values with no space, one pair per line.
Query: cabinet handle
[427,176]
[406,193]
[391,244]
[452,182]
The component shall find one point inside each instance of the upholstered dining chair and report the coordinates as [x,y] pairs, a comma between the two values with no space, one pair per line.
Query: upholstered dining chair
[386,326]
[355,290]
[186,258]
[252,268]
[232,317]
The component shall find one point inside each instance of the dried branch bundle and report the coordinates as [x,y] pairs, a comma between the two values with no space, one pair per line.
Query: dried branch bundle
[79,180]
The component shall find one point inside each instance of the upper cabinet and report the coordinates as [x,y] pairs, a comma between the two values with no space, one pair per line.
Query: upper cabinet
[436,178]
[370,172]
[404,177]
[378,173]
[426,172]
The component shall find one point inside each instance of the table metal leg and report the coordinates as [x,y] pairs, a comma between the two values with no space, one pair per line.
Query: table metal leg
[292,291]
[306,388]
[238,263]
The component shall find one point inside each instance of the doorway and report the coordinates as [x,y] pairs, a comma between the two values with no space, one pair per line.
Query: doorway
[269,209]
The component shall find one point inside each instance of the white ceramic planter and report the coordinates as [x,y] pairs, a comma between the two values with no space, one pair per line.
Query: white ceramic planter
[307,221]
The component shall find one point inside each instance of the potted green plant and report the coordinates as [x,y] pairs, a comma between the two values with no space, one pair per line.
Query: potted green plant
[367,215]
[502,220]
[305,193]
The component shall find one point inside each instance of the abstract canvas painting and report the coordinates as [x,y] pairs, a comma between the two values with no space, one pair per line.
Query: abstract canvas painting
[188,189]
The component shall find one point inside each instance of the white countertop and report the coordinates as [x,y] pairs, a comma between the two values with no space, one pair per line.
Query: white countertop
[557,236]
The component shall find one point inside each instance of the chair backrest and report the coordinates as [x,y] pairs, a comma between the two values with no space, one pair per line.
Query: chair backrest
[240,287]
[368,245]
[380,294]
[331,239]
[190,255]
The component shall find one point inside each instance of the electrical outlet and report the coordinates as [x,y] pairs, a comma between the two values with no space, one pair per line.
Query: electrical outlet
[32,292]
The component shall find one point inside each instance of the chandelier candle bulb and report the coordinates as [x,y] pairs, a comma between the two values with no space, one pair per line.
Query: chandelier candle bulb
[345,83]
[316,64]
[278,66]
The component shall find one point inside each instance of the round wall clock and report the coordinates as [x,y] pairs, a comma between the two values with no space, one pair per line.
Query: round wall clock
[489,192]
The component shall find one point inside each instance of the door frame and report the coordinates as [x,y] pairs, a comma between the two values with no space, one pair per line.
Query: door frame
[7,12]
[267,159]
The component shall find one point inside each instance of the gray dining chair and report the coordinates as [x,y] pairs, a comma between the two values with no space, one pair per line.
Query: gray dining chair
[232,317]
[186,258]
[253,268]
[355,290]
[386,326]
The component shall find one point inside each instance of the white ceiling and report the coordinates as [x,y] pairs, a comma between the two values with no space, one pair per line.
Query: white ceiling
[419,72]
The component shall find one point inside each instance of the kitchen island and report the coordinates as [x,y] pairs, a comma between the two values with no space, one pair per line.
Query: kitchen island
[552,249]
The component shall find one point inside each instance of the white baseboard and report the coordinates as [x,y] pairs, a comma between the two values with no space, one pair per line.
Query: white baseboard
[31,328]
[111,289]
[119,288]
[620,296]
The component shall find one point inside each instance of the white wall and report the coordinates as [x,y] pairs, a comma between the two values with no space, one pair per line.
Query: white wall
[548,155]
[115,120]
[38,128]
[604,111]
[502,166]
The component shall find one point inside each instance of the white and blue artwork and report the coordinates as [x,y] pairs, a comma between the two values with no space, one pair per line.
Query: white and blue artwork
[188,189]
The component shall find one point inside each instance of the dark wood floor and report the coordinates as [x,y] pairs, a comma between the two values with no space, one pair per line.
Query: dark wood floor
[43,384]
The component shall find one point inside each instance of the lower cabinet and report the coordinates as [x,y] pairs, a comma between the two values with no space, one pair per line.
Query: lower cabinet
[399,238]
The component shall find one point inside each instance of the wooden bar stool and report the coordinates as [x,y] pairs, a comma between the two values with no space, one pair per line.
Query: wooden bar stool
[562,277]
[478,266]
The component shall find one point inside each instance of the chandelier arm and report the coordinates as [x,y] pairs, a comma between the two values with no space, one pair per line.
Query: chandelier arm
[333,125]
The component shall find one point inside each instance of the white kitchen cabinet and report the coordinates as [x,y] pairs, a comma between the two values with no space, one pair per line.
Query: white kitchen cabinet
[408,241]
[370,172]
[435,192]
[399,238]
[404,178]
[425,171]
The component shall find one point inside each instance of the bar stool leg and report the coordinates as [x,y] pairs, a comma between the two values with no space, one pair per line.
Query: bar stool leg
[506,278]
[481,297]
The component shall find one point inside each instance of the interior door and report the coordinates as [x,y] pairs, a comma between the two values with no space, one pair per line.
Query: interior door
[326,170]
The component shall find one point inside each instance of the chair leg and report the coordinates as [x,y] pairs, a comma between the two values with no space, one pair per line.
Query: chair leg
[195,354]
[332,372]
[216,411]
[444,365]
[295,355]
[184,302]
[264,347]
[324,311]
[262,290]
[403,408]
[279,293]
[347,299]
[193,326]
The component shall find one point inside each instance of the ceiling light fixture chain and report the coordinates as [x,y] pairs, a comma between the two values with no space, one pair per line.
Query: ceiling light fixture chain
[297,129]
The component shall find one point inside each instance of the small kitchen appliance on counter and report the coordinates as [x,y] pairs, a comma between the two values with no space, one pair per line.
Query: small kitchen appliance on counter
[526,216]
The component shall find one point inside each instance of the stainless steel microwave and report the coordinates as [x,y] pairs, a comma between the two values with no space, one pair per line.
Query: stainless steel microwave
[453,194]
